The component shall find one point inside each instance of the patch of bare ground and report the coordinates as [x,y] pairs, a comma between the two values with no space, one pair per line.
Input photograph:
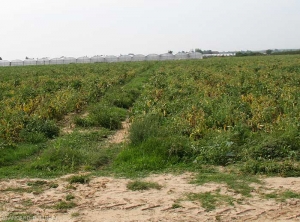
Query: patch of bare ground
[108,199]
[121,135]
[66,124]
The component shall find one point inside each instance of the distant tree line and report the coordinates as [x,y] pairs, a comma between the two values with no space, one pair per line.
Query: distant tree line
[268,52]
[204,51]
[248,53]
[295,52]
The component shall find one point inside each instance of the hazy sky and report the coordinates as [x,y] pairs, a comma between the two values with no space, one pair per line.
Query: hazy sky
[55,28]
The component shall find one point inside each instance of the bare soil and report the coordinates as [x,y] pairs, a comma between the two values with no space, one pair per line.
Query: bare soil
[108,199]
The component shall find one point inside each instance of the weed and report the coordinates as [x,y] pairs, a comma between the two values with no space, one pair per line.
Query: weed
[53,185]
[35,187]
[70,187]
[176,205]
[83,179]
[285,168]
[283,196]
[209,200]
[107,116]
[20,217]
[142,185]
[62,205]
[70,197]
[37,183]
[39,127]
[237,182]
[142,129]
[27,203]
[75,214]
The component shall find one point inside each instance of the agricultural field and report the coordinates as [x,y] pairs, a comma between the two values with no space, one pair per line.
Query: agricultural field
[214,112]
[220,119]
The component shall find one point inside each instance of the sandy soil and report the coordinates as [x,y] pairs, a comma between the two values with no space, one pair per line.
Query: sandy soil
[108,199]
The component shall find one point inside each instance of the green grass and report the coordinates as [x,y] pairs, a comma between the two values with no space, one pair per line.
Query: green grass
[75,214]
[27,203]
[283,196]
[16,217]
[238,183]
[11,155]
[62,205]
[83,179]
[176,205]
[35,187]
[143,185]
[210,200]
[70,197]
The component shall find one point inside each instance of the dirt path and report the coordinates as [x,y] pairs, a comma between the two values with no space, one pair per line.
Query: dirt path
[108,199]
[121,135]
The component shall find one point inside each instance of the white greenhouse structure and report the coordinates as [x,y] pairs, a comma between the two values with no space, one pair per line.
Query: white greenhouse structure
[152,57]
[29,62]
[69,60]
[56,61]
[16,62]
[138,57]
[4,63]
[125,58]
[97,58]
[195,55]
[83,59]
[111,58]
[181,55]
[43,61]
[167,56]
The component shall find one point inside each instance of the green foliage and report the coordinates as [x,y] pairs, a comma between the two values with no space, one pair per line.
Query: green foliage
[285,168]
[71,151]
[283,196]
[59,158]
[15,217]
[13,154]
[107,116]
[209,200]
[36,127]
[122,98]
[75,214]
[144,128]
[176,205]
[70,197]
[248,53]
[35,187]
[269,51]
[62,205]
[103,115]
[294,52]
[83,179]
[142,185]
[239,183]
